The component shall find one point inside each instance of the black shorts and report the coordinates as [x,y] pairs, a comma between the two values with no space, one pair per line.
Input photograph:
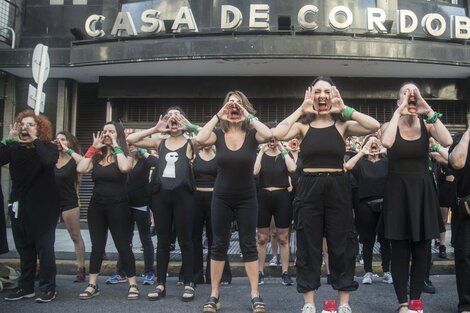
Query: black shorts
[274,203]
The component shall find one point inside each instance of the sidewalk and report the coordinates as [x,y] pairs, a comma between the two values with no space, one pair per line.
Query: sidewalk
[65,255]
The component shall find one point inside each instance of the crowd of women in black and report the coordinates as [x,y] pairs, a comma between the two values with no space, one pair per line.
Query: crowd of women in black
[208,178]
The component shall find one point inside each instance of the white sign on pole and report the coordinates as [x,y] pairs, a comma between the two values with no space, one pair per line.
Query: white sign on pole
[40,67]
[32,98]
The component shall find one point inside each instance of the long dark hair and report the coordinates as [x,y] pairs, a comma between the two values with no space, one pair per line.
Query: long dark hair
[72,141]
[121,141]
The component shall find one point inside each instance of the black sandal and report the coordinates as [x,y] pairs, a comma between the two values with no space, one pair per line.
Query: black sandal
[212,305]
[133,295]
[257,304]
[95,291]
[157,294]
[188,290]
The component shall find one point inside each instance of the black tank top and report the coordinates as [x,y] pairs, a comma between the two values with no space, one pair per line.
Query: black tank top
[323,148]
[409,155]
[66,180]
[174,168]
[273,172]
[235,168]
[204,172]
[138,186]
[110,183]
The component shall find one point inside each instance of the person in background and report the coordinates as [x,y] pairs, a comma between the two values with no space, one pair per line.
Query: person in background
[33,203]
[67,180]
[370,169]
[411,203]
[108,160]
[459,160]
[138,189]
[322,206]
[273,165]
[234,196]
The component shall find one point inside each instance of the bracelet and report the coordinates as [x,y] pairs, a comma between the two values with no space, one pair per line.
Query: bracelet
[90,152]
[117,150]
[432,119]
[347,112]
[70,151]
[142,151]
[284,152]
[8,140]
[251,118]
[218,118]
[435,147]
[192,128]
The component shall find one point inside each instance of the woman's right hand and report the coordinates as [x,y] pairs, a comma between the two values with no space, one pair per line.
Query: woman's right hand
[223,112]
[403,106]
[98,140]
[14,130]
[307,104]
[162,124]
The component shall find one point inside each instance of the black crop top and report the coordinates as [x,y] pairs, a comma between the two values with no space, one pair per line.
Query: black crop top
[273,172]
[235,168]
[110,183]
[204,172]
[323,148]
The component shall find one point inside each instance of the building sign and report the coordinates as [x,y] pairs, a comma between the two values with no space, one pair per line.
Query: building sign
[415,21]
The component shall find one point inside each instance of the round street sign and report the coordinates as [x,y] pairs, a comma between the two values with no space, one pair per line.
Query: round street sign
[36,63]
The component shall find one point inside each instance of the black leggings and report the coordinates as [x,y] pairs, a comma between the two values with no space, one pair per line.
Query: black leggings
[117,218]
[224,210]
[368,227]
[401,252]
[176,206]
[202,216]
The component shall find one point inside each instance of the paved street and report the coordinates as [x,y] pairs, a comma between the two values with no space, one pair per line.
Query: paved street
[375,298]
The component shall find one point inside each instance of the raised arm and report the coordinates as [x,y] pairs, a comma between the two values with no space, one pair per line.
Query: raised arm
[140,139]
[353,161]
[257,167]
[86,165]
[458,156]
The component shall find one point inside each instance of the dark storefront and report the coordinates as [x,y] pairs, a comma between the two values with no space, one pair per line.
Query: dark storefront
[109,64]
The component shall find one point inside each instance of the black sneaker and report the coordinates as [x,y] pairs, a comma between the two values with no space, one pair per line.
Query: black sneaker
[47,296]
[19,293]
[428,287]
[286,279]
[442,252]
[260,278]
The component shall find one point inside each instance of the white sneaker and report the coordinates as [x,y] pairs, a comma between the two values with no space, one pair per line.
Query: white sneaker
[387,278]
[345,308]
[367,279]
[274,261]
[308,308]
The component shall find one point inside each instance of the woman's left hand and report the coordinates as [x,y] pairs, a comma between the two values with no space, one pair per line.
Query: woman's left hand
[243,112]
[337,103]
[183,122]
[113,137]
[422,107]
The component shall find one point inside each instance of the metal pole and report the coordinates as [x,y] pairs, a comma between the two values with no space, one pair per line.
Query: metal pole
[42,66]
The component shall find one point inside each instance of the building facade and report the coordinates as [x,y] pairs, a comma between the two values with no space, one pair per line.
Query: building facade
[129,60]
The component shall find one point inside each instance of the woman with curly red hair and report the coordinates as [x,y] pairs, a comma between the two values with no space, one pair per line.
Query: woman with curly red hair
[34,202]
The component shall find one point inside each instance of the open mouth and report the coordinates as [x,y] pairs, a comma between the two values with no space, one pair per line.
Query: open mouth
[24,135]
[412,104]
[174,125]
[374,147]
[234,114]
[322,106]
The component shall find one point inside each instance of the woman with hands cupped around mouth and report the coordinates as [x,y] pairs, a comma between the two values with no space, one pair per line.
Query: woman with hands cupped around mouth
[172,194]
[322,206]
[411,202]
[234,196]
[108,160]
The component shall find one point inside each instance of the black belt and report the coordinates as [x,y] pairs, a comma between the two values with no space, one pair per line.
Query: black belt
[318,174]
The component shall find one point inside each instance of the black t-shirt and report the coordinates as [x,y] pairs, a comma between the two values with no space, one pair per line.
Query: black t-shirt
[371,178]
[66,180]
[235,168]
[138,186]
[462,175]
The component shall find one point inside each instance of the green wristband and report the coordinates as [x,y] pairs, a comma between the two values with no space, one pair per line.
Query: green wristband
[117,150]
[432,119]
[70,151]
[8,140]
[284,152]
[435,147]
[192,128]
[347,112]
[142,151]
[251,118]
